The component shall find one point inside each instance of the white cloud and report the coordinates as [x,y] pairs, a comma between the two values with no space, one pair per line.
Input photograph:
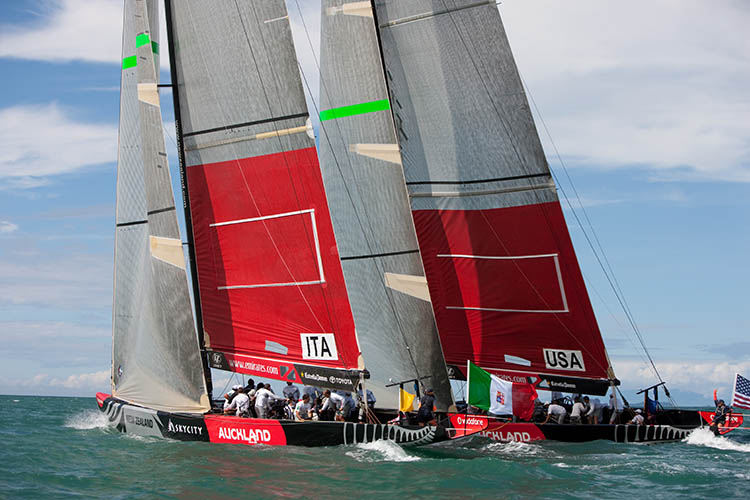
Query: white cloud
[97,380]
[639,83]
[7,227]
[43,140]
[72,30]
[692,375]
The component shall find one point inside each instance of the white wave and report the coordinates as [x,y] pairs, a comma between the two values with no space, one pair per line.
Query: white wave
[514,448]
[88,419]
[381,451]
[704,437]
[16,400]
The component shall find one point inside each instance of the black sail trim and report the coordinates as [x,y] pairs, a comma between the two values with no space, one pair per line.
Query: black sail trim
[480,181]
[160,210]
[373,255]
[246,124]
[131,223]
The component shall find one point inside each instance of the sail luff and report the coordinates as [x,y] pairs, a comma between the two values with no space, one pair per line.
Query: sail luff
[504,280]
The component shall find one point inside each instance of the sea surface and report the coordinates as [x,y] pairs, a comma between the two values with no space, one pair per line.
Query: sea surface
[62,447]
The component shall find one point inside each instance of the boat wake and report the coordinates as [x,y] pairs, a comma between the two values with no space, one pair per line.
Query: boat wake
[514,448]
[381,451]
[85,420]
[704,437]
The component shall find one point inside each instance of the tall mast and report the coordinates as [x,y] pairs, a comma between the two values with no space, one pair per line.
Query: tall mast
[186,199]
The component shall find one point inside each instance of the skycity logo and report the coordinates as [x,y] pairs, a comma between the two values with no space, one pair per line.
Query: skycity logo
[184,429]
[250,436]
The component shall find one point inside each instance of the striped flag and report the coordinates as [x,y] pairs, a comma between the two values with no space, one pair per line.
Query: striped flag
[741,397]
[498,396]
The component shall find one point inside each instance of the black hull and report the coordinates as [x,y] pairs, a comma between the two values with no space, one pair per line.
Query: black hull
[667,426]
[215,428]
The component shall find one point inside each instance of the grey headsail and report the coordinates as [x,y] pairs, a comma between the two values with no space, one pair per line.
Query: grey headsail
[505,284]
[156,359]
[369,205]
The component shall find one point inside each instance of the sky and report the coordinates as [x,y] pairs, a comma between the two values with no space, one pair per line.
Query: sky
[646,103]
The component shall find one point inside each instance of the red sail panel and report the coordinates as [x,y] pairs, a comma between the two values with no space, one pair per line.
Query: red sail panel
[508,293]
[269,273]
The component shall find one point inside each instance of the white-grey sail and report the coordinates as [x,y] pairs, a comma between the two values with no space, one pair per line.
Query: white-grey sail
[155,359]
[369,205]
[506,286]
[461,108]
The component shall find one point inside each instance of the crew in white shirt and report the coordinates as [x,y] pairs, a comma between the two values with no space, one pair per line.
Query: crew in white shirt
[302,410]
[638,418]
[557,411]
[263,398]
[333,402]
[240,404]
[615,408]
[577,412]
[230,395]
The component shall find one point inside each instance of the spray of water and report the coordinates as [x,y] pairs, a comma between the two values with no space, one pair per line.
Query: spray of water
[704,437]
[381,451]
[88,419]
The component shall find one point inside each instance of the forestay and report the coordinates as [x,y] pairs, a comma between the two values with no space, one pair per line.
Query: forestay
[155,353]
[272,292]
[504,281]
[369,205]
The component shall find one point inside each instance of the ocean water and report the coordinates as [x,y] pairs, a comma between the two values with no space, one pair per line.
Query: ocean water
[62,447]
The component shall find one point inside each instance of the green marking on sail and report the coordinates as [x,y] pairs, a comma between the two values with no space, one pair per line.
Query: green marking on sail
[355,109]
[129,62]
[141,39]
[155,47]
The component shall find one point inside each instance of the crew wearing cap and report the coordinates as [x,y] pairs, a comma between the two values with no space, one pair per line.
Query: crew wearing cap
[638,418]
[240,404]
[229,396]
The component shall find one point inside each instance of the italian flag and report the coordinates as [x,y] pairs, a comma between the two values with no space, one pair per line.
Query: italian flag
[498,396]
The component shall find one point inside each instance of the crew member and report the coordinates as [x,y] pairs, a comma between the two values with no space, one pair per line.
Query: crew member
[333,404]
[594,415]
[615,408]
[291,391]
[240,404]
[578,410]
[638,418]
[229,396]
[302,410]
[720,415]
[263,398]
[557,411]
[425,413]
